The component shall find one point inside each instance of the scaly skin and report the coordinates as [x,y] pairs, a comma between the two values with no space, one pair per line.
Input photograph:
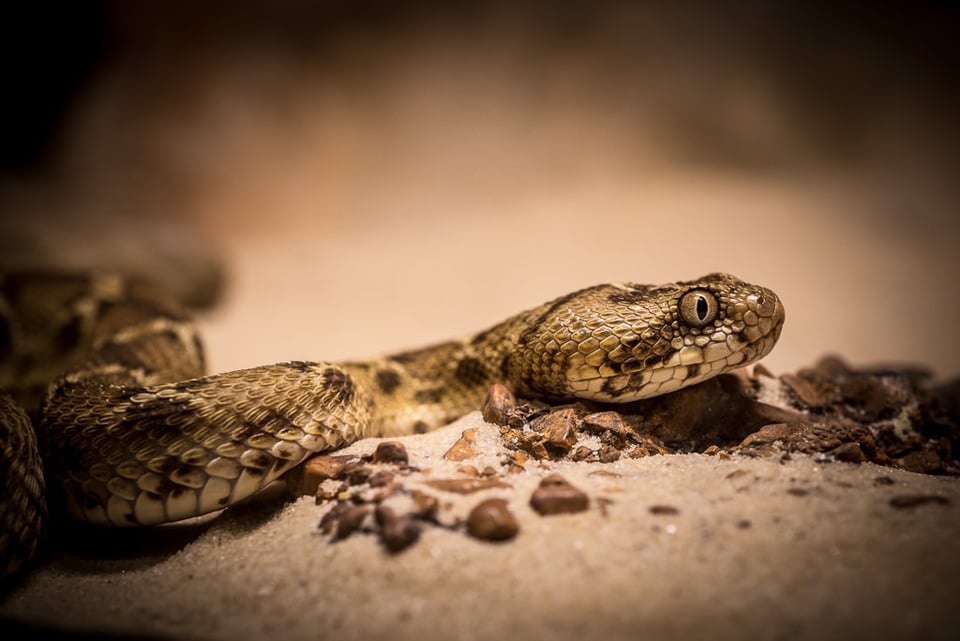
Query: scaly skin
[133,433]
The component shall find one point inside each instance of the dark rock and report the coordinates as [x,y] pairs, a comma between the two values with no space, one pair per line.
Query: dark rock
[558,431]
[908,501]
[351,520]
[397,533]
[391,452]
[608,454]
[491,520]
[923,461]
[768,434]
[557,496]
[848,453]
[498,405]
[608,422]
[356,472]
[803,390]
[664,510]
[582,453]
[381,478]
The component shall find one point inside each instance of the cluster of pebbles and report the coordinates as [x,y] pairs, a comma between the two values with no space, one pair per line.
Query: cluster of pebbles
[885,416]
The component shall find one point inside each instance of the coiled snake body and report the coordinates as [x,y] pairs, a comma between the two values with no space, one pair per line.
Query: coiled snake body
[132,433]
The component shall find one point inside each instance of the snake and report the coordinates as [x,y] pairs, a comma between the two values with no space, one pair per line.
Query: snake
[109,417]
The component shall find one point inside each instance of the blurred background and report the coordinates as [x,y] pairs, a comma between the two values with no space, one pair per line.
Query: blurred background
[365,176]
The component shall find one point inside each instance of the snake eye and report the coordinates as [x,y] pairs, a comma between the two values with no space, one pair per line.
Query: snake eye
[698,308]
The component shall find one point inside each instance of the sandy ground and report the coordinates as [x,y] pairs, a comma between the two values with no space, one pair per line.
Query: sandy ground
[390,189]
[758,549]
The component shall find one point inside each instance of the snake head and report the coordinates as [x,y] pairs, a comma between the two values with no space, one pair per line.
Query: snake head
[624,342]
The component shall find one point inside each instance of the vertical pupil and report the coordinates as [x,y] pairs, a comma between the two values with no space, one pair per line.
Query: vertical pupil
[702,307]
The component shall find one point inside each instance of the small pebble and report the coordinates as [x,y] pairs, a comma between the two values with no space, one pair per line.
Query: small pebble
[491,520]
[556,496]
[608,422]
[558,430]
[464,448]
[664,510]
[397,533]
[356,473]
[803,390]
[848,453]
[350,521]
[907,501]
[391,452]
[498,405]
[582,453]
[608,454]
[768,434]
[305,479]
[465,486]
[380,478]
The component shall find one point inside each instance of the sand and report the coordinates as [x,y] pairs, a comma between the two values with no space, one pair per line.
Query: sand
[756,549]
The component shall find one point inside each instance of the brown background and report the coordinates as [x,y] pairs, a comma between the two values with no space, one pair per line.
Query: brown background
[376,177]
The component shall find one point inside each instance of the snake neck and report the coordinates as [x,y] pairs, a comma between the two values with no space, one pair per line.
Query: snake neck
[418,390]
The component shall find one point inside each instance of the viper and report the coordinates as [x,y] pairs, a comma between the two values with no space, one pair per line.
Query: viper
[109,411]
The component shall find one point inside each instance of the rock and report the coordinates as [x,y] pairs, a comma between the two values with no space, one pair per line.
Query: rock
[768,434]
[491,520]
[803,390]
[922,461]
[582,453]
[350,521]
[609,422]
[557,496]
[356,472]
[848,453]
[397,533]
[608,454]
[558,431]
[305,479]
[465,486]
[381,478]
[498,405]
[664,510]
[909,501]
[464,448]
[391,452]
[514,462]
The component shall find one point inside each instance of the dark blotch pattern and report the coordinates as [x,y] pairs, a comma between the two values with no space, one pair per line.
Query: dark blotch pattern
[471,372]
[387,381]
[341,383]
[429,395]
